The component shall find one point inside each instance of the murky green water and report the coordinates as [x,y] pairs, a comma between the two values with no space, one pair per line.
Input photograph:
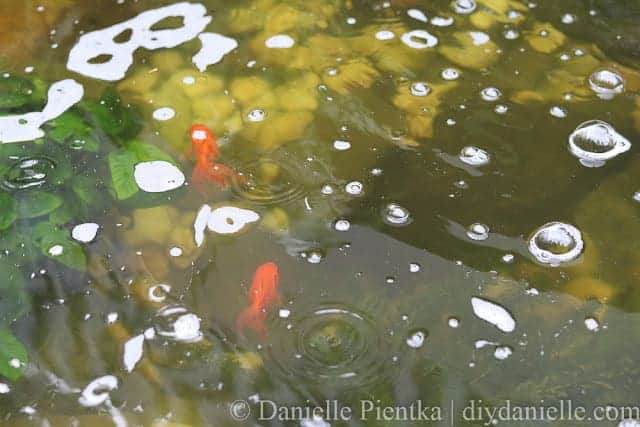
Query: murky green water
[448,191]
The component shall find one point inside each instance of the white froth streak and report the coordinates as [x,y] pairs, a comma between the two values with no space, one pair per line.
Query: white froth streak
[494,314]
[120,55]
[62,95]
[214,48]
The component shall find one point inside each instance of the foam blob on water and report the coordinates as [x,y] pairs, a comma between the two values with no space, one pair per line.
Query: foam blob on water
[592,323]
[214,48]
[396,215]
[97,392]
[418,15]
[158,176]
[594,142]
[342,225]
[56,250]
[502,352]
[164,114]
[479,38]
[494,314]
[280,41]
[119,55]
[385,35]
[478,232]
[557,111]
[354,188]
[230,219]
[200,224]
[133,349]
[450,74]
[341,145]
[442,21]
[85,233]
[474,156]
[556,243]
[61,96]
[606,83]
[419,39]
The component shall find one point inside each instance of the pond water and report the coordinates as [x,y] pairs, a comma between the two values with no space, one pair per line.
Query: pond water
[213,213]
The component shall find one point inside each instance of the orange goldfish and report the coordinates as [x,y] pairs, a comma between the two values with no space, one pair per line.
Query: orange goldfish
[263,294]
[206,151]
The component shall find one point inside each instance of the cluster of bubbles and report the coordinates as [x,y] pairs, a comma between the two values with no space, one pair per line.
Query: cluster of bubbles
[594,142]
[556,243]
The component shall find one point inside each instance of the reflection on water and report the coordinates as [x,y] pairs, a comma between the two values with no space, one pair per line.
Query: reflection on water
[446,192]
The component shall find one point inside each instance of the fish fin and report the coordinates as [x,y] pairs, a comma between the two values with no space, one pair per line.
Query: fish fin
[252,318]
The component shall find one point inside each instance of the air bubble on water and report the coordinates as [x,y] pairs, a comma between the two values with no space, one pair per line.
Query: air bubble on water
[314,257]
[351,20]
[376,171]
[279,41]
[490,94]
[284,313]
[464,7]
[568,18]
[578,52]
[417,15]
[416,338]
[178,324]
[354,188]
[594,142]
[158,293]
[592,323]
[385,35]
[479,38]
[97,391]
[327,190]
[606,83]
[175,251]
[511,34]
[557,111]
[85,233]
[4,388]
[163,114]
[474,156]
[390,280]
[556,243]
[342,225]
[508,258]
[256,115]
[341,145]
[414,267]
[396,215]
[636,196]
[502,352]
[478,232]
[188,80]
[442,21]
[501,109]
[451,122]
[453,322]
[420,89]
[494,314]
[450,74]
[56,250]
[419,39]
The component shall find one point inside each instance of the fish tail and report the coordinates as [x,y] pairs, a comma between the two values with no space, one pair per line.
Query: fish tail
[253,318]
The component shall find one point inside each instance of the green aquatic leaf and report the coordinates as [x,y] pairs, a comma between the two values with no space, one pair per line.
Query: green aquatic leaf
[148,152]
[11,352]
[71,128]
[113,117]
[33,204]
[14,300]
[7,210]
[121,165]
[55,243]
[16,92]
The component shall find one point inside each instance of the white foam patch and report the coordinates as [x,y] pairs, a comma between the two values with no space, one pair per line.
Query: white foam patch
[119,56]
[158,176]
[494,314]
[230,219]
[85,233]
[280,41]
[97,392]
[214,48]
[199,225]
[418,15]
[133,349]
[62,95]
